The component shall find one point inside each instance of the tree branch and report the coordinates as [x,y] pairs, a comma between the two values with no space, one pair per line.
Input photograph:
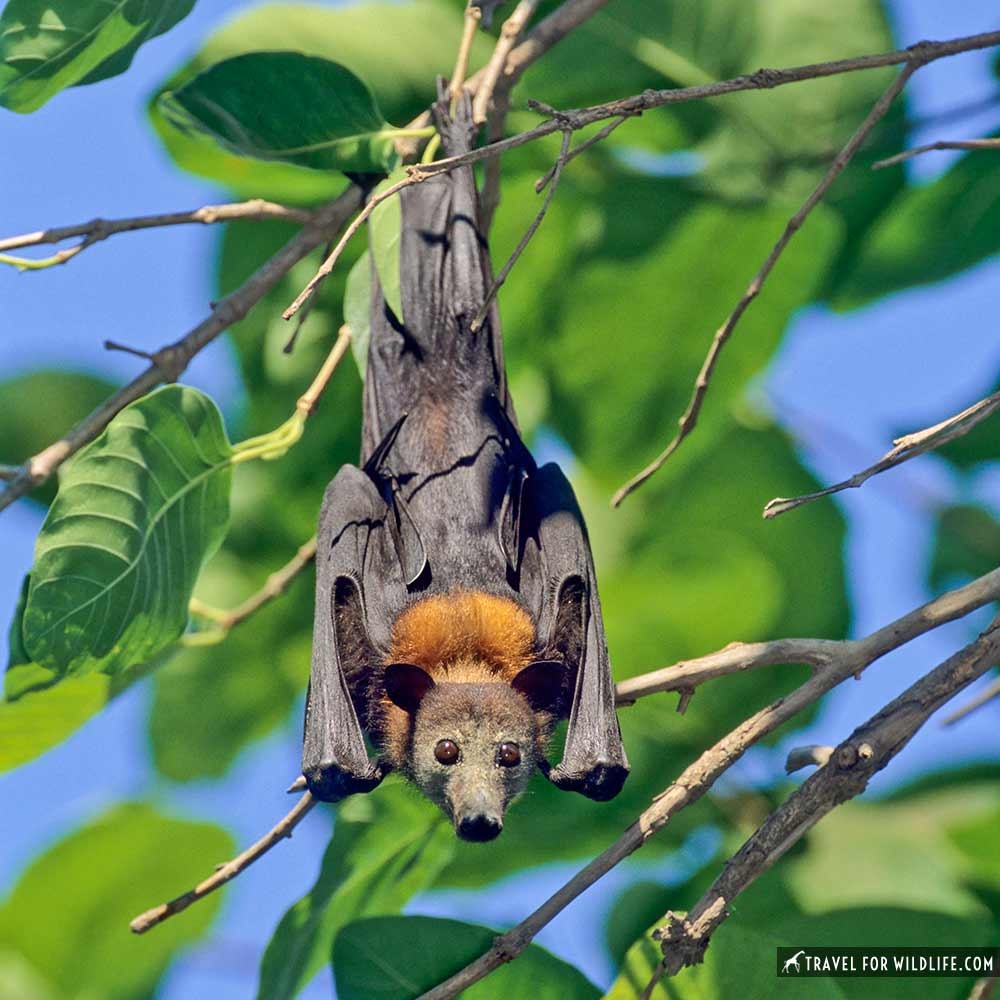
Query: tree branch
[834,665]
[891,161]
[863,754]
[509,33]
[100,229]
[904,448]
[689,418]
[227,871]
[477,321]
[170,361]
[275,585]
[992,691]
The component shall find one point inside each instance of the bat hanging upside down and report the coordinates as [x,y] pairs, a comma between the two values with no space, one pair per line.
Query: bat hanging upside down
[457,616]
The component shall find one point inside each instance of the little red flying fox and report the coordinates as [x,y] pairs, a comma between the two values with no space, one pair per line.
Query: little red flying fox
[457,615]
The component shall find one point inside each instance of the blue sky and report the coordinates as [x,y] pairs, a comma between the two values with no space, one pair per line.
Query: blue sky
[847,383]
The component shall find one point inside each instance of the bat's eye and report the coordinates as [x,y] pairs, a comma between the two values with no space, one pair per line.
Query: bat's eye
[446,751]
[509,755]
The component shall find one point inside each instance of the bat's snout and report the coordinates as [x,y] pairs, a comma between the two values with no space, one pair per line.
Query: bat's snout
[479,827]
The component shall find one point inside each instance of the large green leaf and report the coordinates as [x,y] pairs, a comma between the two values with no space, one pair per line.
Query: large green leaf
[397,958]
[414,42]
[39,402]
[68,915]
[138,512]
[385,848]
[928,233]
[48,45]
[285,106]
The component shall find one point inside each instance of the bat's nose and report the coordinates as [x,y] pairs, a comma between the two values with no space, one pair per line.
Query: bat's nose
[479,827]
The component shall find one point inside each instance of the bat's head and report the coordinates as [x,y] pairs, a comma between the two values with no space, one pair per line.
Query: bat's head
[475,746]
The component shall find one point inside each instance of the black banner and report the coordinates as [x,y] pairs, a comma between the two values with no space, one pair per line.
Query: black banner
[888,963]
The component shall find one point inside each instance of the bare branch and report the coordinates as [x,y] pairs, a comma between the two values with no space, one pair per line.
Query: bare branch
[984,988]
[477,322]
[577,150]
[904,448]
[275,585]
[169,362]
[473,15]
[835,662]
[992,691]
[931,146]
[509,32]
[229,870]
[863,754]
[100,229]
[689,419]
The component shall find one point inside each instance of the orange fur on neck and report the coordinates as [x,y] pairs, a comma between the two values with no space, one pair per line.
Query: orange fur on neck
[462,637]
[464,632]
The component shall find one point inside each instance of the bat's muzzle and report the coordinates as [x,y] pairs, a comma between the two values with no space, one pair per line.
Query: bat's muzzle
[479,827]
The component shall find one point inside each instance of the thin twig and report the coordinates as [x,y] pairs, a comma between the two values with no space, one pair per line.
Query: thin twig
[170,361]
[904,448]
[275,585]
[582,147]
[415,176]
[100,229]
[835,662]
[854,762]
[498,281]
[689,419]
[992,691]
[509,33]
[473,15]
[984,988]
[229,870]
[931,146]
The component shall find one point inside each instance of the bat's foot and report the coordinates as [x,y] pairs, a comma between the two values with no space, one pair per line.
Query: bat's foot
[329,783]
[600,781]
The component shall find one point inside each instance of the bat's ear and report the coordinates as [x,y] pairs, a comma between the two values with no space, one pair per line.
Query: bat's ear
[541,683]
[406,685]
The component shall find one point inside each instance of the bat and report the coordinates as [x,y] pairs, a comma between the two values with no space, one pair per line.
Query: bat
[457,614]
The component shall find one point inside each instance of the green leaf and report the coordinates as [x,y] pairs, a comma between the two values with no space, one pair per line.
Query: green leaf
[739,963]
[661,309]
[210,702]
[286,106]
[420,45]
[966,545]
[384,850]
[396,958]
[68,915]
[48,45]
[357,309]
[976,839]
[37,403]
[899,855]
[44,716]
[138,512]
[384,231]
[928,233]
